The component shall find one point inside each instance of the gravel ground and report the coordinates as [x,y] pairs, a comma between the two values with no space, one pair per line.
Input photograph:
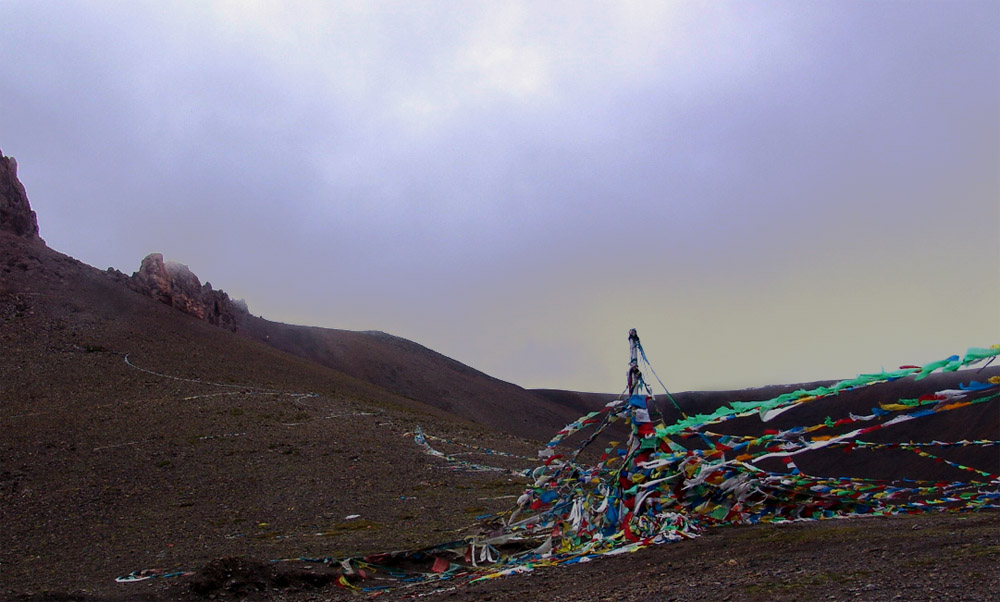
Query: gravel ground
[911,558]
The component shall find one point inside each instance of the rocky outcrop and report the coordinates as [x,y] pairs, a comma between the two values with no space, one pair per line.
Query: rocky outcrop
[174,284]
[16,215]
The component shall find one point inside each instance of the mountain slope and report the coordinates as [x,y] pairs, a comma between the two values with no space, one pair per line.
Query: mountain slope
[201,445]
[393,363]
[412,370]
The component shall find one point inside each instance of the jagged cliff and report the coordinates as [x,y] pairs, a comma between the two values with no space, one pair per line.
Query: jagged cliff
[16,215]
[174,284]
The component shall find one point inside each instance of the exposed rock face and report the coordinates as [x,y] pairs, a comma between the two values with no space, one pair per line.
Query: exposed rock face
[15,213]
[174,284]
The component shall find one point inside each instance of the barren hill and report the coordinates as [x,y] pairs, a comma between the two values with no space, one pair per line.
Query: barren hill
[134,435]
[393,363]
[414,371]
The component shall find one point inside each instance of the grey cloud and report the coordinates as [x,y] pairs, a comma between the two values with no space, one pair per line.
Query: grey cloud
[507,183]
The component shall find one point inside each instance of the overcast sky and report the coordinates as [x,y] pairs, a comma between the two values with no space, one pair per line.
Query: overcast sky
[769,191]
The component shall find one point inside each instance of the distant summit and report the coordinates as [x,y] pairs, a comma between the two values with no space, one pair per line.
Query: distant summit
[16,215]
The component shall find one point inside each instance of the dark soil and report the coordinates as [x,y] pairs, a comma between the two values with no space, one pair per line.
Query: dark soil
[912,558]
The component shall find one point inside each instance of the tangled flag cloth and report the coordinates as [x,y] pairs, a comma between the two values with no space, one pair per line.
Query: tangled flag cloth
[670,482]
[657,488]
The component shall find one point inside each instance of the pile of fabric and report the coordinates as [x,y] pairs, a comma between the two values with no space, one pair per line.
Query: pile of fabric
[672,481]
[668,482]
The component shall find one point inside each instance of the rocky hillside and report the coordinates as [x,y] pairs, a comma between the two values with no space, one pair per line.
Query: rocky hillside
[137,436]
[414,371]
[393,363]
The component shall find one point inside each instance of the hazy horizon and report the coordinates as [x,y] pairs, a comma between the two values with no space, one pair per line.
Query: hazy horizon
[770,192]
